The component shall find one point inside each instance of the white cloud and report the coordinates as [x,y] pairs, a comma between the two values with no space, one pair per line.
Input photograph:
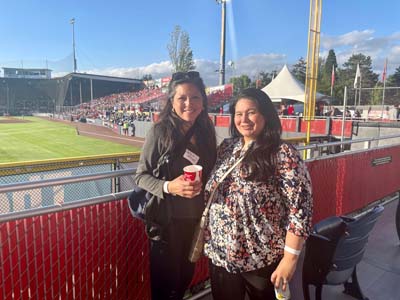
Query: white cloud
[345,45]
[366,42]
[394,55]
[249,65]
[157,70]
[351,38]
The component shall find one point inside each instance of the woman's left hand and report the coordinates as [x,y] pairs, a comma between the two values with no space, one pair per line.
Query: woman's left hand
[285,270]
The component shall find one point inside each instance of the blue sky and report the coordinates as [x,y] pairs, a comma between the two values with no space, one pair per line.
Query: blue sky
[129,37]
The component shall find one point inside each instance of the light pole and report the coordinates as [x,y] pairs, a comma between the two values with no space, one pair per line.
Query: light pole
[72,21]
[222,51]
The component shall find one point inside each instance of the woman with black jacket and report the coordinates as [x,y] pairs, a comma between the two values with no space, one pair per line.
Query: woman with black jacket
[187,135]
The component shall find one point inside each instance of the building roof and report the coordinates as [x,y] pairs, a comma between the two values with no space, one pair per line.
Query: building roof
[286,87]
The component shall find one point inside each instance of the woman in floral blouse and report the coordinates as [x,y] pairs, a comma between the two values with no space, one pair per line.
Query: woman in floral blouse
[261,212]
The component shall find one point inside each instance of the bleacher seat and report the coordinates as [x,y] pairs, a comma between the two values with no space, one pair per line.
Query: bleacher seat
[333,251]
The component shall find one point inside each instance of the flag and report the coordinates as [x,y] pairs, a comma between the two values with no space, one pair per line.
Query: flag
[384,71]
[333,76]
[358,75]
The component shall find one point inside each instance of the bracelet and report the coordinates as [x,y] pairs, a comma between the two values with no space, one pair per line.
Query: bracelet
[165,187]
[292,251]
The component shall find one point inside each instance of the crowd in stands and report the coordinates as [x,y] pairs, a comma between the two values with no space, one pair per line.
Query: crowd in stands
[137,105]
[218,98]
[116,108]
[129,98]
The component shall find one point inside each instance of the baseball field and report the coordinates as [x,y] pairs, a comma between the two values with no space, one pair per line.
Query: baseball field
[33,139]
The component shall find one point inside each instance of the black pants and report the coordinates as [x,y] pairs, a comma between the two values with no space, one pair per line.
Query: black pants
[170,270]
[256,284]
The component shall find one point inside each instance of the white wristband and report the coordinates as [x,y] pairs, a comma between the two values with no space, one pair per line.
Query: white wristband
[292,251]
[165,187]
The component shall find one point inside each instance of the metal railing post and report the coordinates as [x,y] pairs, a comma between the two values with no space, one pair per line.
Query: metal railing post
[398,215]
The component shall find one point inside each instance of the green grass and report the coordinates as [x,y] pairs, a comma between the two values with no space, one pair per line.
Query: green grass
[40,140]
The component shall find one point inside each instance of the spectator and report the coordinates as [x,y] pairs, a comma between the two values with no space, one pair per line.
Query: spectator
[290,110]
[126,127]
[261,212]
[185,111]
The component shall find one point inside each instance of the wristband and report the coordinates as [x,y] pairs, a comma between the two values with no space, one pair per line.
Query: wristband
[165,187]
[292,251]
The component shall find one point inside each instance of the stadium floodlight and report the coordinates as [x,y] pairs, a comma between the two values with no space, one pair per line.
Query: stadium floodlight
[222,50]
[72,22]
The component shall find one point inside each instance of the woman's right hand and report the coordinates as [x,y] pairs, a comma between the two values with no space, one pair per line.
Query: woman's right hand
[187,189]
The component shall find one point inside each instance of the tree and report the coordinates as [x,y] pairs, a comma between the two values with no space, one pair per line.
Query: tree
[299,70]
[325,74]
[263,79]
[394,79]
[240,83]
[376,95]
[180,53]
[347,74]
[147,77]
[393,95]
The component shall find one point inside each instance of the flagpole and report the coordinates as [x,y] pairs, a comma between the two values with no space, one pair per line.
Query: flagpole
[355,98]
[332,79]
[383,98]
[359,93]
[356,84]
[384,86]
[343,117]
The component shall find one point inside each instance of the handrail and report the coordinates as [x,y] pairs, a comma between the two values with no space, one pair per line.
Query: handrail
[61,207]
[126,172]
[5,188]
[317,146]
[28,185]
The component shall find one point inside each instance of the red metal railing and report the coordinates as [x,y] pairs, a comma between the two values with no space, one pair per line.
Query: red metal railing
[101,252]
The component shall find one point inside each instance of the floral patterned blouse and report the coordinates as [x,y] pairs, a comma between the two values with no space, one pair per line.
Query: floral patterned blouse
[248,220]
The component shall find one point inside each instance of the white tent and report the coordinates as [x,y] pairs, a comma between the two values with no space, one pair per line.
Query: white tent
[286,87]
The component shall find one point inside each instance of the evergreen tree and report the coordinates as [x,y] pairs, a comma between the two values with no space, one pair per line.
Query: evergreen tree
[179,50]
[299,70]
[392,96]
[325,80]
[394,79]
[240,83]
[346,76]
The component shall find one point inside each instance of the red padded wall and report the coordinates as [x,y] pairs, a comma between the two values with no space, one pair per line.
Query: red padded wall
[288,125]
[101,252]
[336,127]
[317,126]
[346,183]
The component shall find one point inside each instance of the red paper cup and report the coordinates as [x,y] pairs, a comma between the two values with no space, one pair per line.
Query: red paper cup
[192,172]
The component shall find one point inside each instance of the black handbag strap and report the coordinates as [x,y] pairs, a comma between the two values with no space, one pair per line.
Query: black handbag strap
[165,158]
[185,141]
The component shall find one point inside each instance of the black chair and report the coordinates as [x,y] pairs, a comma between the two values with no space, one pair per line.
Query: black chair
[333,251]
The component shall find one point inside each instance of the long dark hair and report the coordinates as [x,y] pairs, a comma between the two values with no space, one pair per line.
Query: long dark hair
[171,123]
[261,158]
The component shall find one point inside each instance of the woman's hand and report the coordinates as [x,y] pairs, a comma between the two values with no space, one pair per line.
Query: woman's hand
[187,189]
[285,270]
